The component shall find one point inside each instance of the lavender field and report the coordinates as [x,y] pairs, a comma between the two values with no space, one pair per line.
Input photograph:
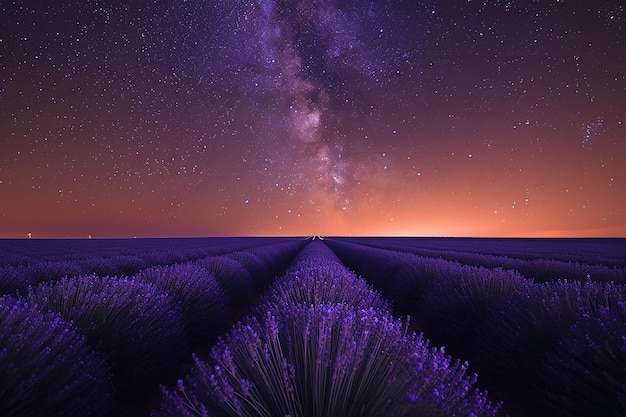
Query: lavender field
[313,327]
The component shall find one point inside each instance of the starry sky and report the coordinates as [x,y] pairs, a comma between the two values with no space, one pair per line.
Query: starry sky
[312,117]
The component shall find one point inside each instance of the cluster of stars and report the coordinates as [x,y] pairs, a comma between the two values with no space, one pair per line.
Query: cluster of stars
[332,117]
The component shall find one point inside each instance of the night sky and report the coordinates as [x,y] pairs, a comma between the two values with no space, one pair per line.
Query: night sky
[312,117]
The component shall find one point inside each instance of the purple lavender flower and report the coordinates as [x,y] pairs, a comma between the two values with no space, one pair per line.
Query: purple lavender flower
[202,300]
[256,267]
[317,276]
[352,362]
[278,256]
[127,264]
[99,266]
[377,266]
[321,283]
[13,280]
[46,271]
[138,330]
[46,368]
[585,373]
[232,277]
[521,327]
[455,303]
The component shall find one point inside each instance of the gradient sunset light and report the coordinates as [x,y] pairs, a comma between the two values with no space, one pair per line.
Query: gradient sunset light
[327,117]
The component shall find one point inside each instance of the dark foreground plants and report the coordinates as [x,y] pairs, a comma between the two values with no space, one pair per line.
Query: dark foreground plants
[202,300]
[520,328]
[325,360]
[13,280]
[46,368]
[585,374]
[137,329]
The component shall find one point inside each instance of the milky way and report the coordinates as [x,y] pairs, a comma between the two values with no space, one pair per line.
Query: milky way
[308,66]
[178,118]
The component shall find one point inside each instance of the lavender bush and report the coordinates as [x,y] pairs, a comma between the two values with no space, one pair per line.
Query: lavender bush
[258,271]
[361,259]
[127,264]
[551,269]
[200,297]
[264,263]
[277,256]
[317,276]
[377,266]
[521,327]
[114,265]
[46,271]
[46,369]
[98,266]
[172,256]
[457,301]
[232,277]
[325,361]
[320,282]
[13,280]
[138,330]
[585,374]
[407,284]
[603,259]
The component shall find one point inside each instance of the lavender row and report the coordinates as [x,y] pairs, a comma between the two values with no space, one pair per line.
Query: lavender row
[16,252]
[553,348]
[18,277]
[41,353]
[610,252]
[543,269]
[319,343]
[244,274]
[133,332]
